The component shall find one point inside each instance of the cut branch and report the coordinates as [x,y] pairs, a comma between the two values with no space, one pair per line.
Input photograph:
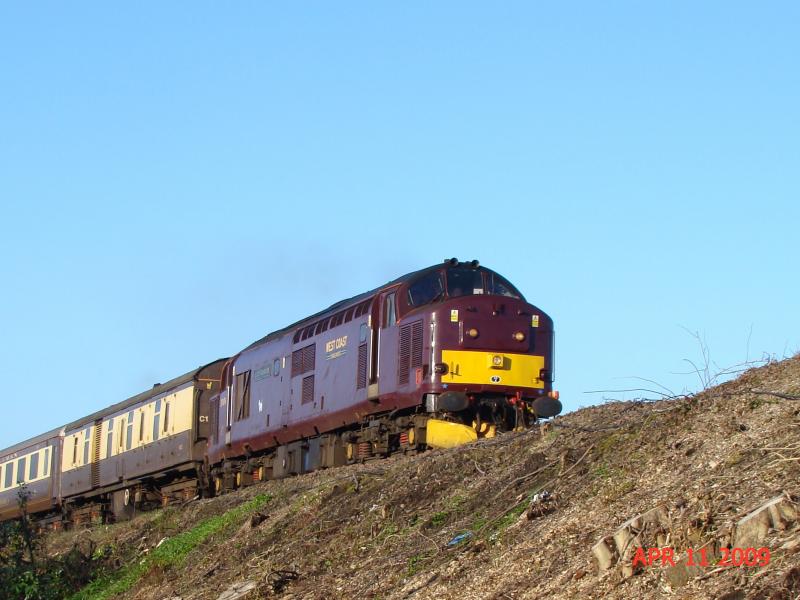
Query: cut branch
[776,394]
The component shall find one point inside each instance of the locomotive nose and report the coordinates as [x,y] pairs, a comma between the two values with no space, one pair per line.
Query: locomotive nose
[546,407]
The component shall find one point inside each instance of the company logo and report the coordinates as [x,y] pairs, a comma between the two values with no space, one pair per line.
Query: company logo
[336,347]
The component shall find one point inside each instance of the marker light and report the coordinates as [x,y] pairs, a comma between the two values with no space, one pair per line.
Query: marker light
[497,360]
[473,333]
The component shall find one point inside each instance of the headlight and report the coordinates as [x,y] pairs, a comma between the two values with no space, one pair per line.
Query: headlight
[519,336]
[473,333]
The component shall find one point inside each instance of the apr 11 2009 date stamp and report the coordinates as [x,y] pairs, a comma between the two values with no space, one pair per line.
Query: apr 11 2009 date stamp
[729,557]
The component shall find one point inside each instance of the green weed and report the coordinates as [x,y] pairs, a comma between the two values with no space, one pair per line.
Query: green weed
[169,554]
[439,518]
[413,565]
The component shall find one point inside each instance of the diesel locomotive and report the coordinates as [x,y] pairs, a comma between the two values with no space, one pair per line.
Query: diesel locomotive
[436,358]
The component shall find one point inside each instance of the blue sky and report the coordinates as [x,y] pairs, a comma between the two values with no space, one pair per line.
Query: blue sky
[177,179]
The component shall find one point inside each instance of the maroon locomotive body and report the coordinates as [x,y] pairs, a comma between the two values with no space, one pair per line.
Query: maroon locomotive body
[446,354]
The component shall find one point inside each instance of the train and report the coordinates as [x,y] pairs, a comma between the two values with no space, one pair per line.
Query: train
[436,358]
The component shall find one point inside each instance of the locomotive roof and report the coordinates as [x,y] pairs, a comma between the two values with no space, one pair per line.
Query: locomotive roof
[156,390]
[346,303]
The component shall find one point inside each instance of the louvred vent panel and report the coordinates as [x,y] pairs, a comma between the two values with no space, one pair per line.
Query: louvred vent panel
[416,344]
[303,360]
[309,353]
[361,376]
[308,389]
[297,362]
[404,355]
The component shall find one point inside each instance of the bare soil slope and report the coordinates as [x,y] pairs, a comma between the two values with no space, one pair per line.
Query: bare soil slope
[529,508]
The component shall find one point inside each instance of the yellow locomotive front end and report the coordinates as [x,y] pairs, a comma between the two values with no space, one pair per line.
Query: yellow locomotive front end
[491,354]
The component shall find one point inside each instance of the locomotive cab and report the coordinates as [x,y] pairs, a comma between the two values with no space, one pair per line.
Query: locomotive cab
[489,357]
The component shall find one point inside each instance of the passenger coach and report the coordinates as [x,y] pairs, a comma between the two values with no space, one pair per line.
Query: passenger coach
[141,452]
[31,468]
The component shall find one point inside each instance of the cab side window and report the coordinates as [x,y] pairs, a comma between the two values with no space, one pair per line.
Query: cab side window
[242,396]
[389,310]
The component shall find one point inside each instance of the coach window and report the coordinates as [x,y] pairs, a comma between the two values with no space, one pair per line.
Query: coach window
[110,437]
[87,438]
[389,311]
[129,432]
[276,366]
[166,417]
[33,472]
[9,474]
[46,470]
[74,449]
[156,419]
[428,288]
[21,470]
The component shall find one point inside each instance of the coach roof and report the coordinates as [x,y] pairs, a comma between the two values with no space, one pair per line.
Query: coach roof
[156,390]
[42,437]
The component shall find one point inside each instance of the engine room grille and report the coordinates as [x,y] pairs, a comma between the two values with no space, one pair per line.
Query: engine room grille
[308,389]
[416,344]
[403,355]
[361,376]
[303,360]
[409,355]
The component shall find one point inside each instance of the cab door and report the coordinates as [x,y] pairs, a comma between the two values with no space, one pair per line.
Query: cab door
[388,337]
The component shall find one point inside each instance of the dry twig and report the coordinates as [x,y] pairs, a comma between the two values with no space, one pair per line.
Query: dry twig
[776,394]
